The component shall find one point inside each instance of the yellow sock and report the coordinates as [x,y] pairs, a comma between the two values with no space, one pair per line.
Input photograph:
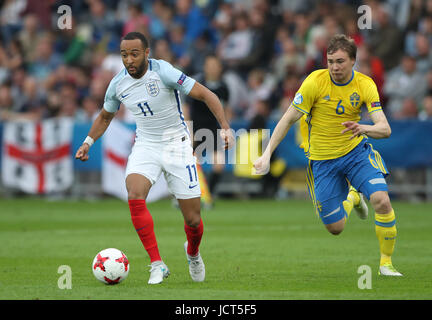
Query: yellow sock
[385,229]
[352,199]
[348,206]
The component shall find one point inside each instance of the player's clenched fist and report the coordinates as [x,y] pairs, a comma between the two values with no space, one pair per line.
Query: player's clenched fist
[262,164]
[82,153]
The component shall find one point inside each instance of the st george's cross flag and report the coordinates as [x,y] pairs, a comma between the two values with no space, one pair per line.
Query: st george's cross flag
[117,143]
[37,155]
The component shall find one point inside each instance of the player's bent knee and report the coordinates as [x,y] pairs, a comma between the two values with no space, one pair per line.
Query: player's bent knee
[335,231]
[381,202]
[136,195]
[336,228]
[193,220]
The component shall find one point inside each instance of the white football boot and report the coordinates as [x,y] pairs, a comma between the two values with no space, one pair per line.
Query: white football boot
[158,271]
[361,208]
[196,266]
[389,270]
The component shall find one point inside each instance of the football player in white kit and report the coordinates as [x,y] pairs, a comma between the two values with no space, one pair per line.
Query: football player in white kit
[150,89]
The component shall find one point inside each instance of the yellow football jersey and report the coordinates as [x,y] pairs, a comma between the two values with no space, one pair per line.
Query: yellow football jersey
[326,105]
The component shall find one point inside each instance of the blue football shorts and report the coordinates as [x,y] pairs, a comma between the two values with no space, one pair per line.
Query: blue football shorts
[328,180]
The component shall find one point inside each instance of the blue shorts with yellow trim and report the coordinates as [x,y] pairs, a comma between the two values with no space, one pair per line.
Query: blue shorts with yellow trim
[328,180]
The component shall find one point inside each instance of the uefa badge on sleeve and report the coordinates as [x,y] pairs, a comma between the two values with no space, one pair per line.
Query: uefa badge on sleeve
[298,99]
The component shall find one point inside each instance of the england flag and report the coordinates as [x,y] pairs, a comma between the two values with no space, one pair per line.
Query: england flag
[37,155]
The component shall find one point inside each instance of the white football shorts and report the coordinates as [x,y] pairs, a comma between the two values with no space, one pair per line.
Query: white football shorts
[175,159]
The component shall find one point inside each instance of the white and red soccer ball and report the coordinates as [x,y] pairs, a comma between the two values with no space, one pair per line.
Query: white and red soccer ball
[111,266]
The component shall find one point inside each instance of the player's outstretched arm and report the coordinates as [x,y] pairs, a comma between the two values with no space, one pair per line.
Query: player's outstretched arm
[212,101]
[379,130]
[97,129]
[262,164]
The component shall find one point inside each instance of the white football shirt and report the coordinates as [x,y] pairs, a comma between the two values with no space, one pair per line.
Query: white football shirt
[154,101]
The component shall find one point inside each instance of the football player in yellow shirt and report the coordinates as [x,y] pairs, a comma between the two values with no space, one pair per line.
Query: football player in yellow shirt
[343,167]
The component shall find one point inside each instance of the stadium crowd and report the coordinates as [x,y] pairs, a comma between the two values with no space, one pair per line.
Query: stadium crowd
[267,48]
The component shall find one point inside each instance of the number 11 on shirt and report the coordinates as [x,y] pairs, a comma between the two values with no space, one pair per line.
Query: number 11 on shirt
[145,104]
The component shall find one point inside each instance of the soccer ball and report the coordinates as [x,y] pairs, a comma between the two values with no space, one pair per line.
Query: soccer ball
[110,266]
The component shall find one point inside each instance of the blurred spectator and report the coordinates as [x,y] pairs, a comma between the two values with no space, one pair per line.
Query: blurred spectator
[238,44]
[290,85]
[46,60]
[193,60]
[263,25]
[69,108]
[112,61]
[352,31]
[385,39]
[91,109]
[53,105]
[282,107]
[42,9]
[291,60]
[10,18]
[423,53]
[316,48]
[426,112]
[160,20]
[28,37]
[9,108]
[371,66]
[71,44]
[296,5]
[191,18]
[137,20]
[6,100]
[26,93]
[416,12]
[428,77]
[223,18]
[102,21]
[260,89]
[177,41]
[423,26]
[409,110]
[81,80]
[68,92]
[332,26]
[56,79]
[11,56]
[403,82]
[302,25]
[238,94]
[401,11]
[162,50]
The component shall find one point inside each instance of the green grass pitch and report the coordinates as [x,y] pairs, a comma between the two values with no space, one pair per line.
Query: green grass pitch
[256,249]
